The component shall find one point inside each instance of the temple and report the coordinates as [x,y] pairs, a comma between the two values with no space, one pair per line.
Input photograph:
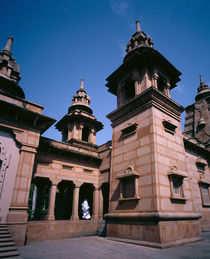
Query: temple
[149,185]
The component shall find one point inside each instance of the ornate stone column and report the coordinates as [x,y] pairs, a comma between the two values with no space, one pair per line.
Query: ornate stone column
[51,208]
[96,194]
[75,206]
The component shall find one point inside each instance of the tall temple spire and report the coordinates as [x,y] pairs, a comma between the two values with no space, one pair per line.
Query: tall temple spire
[79,124]
[81,100]
[8,46]
[202,85]
[203,89]
[9,71]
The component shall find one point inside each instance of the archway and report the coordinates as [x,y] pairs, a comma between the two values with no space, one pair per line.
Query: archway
[63,202]
[105,193]
[39,198]
[85,133]
[86,192]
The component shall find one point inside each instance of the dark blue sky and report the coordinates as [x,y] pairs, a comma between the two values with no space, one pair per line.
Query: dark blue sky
[56,43]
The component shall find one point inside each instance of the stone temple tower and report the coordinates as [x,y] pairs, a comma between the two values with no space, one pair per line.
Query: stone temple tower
[79,125]
[150,191]
[197,124]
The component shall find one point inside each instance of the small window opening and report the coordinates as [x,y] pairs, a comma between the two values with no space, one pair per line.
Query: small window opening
[169,127]
[130,130]
[129,90]
[128,188]
[85,134]
[205,193]
[177,184]
[200,166]
[66,167]
[88,171]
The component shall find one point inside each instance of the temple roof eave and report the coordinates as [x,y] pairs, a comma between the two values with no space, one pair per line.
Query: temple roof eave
[57,146]
[26,117]
[77,117]
[137,55]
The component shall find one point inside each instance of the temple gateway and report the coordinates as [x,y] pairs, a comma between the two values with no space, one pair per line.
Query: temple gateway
[149,185]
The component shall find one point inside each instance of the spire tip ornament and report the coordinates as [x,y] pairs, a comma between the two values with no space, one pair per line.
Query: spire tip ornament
[8,46]
[138,28]
[82,84]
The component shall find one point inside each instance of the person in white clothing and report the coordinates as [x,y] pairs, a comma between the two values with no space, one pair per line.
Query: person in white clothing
[85,210]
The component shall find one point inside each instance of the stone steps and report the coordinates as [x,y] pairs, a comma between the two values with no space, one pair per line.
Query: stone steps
[7,246]
[8,243]
[9,254]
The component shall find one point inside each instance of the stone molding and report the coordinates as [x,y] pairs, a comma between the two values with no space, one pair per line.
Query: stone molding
[149,98]
[159,216]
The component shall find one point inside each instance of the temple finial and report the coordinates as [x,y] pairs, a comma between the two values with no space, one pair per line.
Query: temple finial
[138,28]
[8,46]
[82,84]
[201,80]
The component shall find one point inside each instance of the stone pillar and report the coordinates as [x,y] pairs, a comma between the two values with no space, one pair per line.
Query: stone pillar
[120,94]
[74,135]
[51,208]
[96,194]
[101,207]
[34,200]
[80,131]
[92,136]
[155,78]
[75,206]
[137,87]
[137,187]
[70,132]
[17,217]
[167,92]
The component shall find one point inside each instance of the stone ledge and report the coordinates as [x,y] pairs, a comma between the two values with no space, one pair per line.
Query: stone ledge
[153,216]
[156,245]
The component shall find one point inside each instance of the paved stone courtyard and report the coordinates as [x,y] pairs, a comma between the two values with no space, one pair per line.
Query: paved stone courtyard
[98,247]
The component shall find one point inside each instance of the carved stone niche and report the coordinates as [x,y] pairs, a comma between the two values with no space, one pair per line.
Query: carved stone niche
[128,185]
[176,180]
